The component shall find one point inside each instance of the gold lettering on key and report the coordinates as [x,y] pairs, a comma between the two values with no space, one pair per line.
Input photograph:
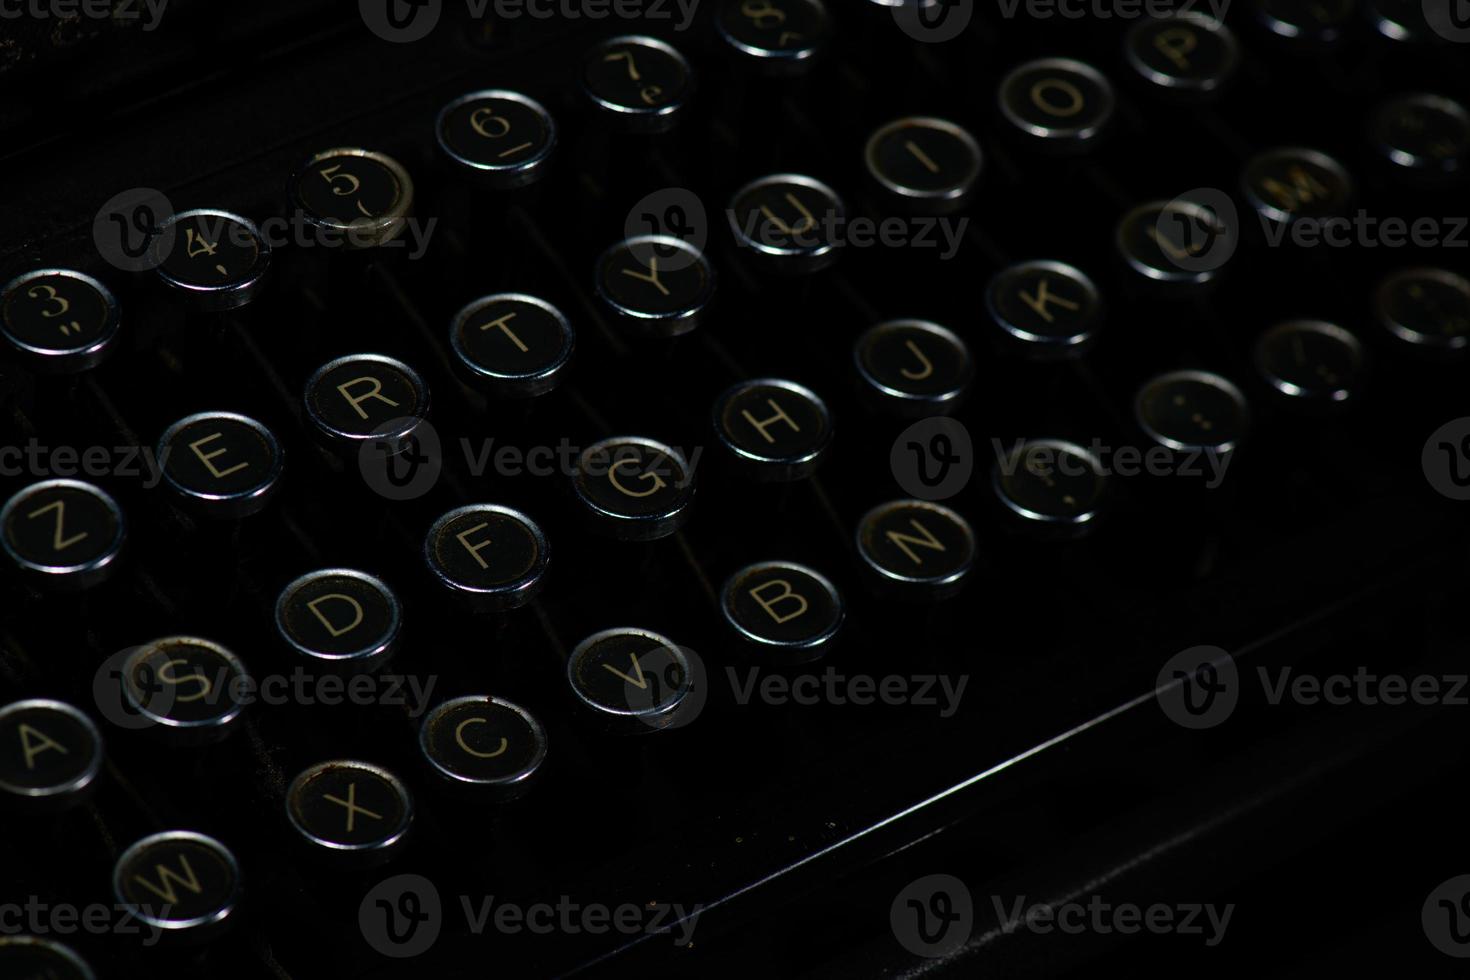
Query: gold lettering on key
[503,325]
[762,425]
[657,484]
[926,366]
[1073,94]
[59,540]
[651,276]
[1175,43]
[33,742]
[769,605]
[475,549]
[351,804]
[208,458]
[921,156]
[1039,300]
[459,739]
[167,877]
[332,628]
[903,541]
[808,220]
[356,400]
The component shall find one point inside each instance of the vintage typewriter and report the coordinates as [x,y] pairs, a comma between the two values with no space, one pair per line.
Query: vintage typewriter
[747,486]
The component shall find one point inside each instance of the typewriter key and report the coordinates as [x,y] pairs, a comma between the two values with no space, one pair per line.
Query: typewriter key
[1309,23]
[924,165]
[179,881]
[62,534]
[1176,243]
[340,618]
[774,430]
[1294,182]
[216,260]
[1058,103]
[1426,135]
[913,368]
[1311,361]
[367,398]
[501,137]
[787,613]
[630,680]
[188,690]
[34,958]
[777,37]
[914,549]
[1192,410]
[513,345]
[634,489]
[494,557]
[1051,486]
[640,84]
[485,743]
[221,464]
[353,813]
[657,284]
[354,197]
[1185,53]
[1046,309]
[50,754]
[1427,308]
[789,222]
[58,320]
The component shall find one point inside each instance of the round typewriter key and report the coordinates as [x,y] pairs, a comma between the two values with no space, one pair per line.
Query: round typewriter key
[1307,22]
[187,689]
[484,742]
[778,37]
[789,221]
[640,83]
[367,398]
[1176,243]
[62,534]
[914,368]
[1051,485]
[338,617]
[60,320]
[513,345]
[634,489]
[179,881]
[788,612]
[1050,309]
[1311,361]
[659,284]
[1425,135]
[1428,308]
[216,259]
[1183,52]
[355,813]
[504,137]
[50,754]
[776,430]
[1060,103]
[1192,410]
[1295,182]
[358,197]
[493,556]
[915,549]
[34,958]
[927,165]
[222,464]
[632,680]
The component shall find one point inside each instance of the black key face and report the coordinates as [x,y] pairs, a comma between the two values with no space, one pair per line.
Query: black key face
[776,429]
[1311,360]
[1429,308]
[1050,482]
[49,751]
[1057,100]
[782,36]
[925,162]
[221,460]
[789,218]
[660,283]
[1306,21]
[501,135]
[914,366]
[789,611]
[483,741]
[1291,183]
[66,530]
[916,548]
[64,320]
[340,616]
[513,344]
[1424,133]
[1185,52]
[630,675]
[641,81]
[1176,242]
[350,187]
[178,880]
[1188,410]
[495,555]
[34,958]
[216,259]
[636,489]
[189,688]
[366,397]
[348,807]
[1051,307]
